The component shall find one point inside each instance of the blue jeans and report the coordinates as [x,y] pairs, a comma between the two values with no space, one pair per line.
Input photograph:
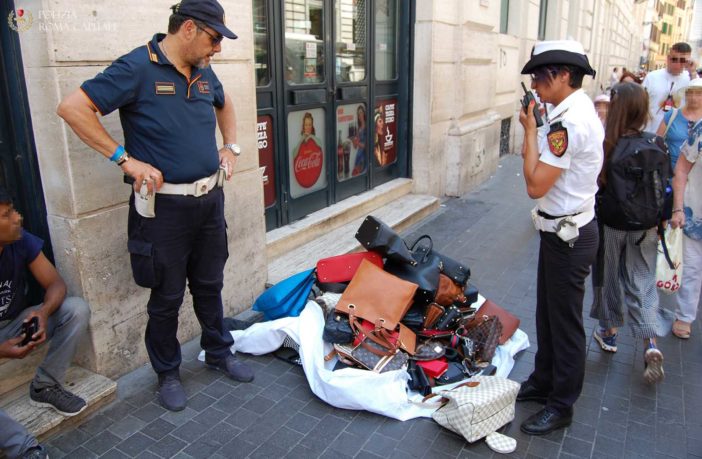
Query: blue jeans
[64,329]
[187,240]
[15,440]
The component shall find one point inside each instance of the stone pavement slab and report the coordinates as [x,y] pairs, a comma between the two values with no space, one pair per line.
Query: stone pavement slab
[277,415]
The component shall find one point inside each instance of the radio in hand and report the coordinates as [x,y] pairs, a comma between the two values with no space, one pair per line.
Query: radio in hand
[528,97]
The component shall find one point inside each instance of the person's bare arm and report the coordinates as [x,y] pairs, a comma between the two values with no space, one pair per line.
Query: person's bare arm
[539,176]
[682,170]
[226,120]
[81,115]
[54,293]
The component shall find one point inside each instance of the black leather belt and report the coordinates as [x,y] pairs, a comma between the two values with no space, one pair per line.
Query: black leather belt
[551,217]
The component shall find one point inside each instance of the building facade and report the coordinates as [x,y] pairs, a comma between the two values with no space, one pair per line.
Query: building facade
[422,89]
[666,22]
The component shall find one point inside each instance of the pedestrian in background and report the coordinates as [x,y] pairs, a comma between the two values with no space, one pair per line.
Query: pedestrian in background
[561,164]
[629,77]
[170,101]
[687,214]
[629,270]
[662,84]
[677,123]
[602,107]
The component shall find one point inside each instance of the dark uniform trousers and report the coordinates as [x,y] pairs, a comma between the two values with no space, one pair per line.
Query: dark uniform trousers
[186,240]
[559,367]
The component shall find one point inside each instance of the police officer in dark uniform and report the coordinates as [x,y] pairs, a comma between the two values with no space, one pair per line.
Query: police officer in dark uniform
[561,163]
[170,101]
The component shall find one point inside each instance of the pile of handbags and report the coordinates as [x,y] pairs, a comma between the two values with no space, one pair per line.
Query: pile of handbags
[407,306]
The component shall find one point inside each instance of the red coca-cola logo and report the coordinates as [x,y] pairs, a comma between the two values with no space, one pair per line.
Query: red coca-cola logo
[308,163]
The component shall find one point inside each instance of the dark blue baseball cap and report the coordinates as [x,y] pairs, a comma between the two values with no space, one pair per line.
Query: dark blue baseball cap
[208,11]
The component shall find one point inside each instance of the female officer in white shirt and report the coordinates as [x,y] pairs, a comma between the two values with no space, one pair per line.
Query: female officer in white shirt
[562,160]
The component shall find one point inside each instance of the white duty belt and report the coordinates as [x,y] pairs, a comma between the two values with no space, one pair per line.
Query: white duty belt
[197,188]
[551,225]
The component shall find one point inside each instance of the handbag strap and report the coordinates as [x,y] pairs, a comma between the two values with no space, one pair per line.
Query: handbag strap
[444,400]
[670,121]
[379,336]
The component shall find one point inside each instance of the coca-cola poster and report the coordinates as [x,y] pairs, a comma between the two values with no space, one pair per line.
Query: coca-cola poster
[306,155]
[266,157]
[385,132]
[351,141]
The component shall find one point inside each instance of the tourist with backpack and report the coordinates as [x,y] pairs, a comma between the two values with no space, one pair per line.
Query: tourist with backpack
[630,211]
[687,214]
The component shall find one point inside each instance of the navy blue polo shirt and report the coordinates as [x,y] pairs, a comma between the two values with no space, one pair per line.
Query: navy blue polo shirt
[168,120]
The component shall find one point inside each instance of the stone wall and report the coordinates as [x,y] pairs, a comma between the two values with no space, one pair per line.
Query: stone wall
[467,80]
[71,41]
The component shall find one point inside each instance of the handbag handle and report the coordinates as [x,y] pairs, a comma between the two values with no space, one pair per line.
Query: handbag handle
[431,246]
[378,336]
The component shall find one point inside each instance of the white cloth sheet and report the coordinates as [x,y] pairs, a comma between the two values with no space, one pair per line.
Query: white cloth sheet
[351,388]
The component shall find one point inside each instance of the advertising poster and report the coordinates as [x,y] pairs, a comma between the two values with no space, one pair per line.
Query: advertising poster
[306,155]
[266,157]
[351,141]
[385,132]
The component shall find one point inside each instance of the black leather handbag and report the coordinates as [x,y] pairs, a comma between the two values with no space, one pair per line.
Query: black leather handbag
[378,237]
[337,329]
[425,272]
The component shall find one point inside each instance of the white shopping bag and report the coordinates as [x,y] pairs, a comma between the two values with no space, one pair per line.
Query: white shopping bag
[668,279]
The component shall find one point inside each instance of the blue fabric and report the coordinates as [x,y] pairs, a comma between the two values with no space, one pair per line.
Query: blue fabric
[168,121]
[287,298]
[14,260]
[676,135]
[693,225]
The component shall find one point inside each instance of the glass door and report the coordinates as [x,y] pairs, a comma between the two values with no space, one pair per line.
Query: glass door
[317,104]
[390,121]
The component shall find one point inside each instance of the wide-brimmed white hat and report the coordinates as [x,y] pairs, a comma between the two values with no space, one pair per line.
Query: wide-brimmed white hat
[564,52]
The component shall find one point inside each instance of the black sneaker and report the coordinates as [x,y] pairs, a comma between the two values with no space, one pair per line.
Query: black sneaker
[232,367]
[171,394]
[36,452]
[58,398]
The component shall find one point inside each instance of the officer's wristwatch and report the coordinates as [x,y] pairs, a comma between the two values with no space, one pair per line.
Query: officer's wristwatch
[234,148]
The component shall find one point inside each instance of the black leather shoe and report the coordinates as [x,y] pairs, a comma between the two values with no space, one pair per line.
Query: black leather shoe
[529,393]
[171,394]
[545,421]
[232,367]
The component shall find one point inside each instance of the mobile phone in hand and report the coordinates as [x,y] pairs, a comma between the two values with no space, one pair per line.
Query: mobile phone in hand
[29,329]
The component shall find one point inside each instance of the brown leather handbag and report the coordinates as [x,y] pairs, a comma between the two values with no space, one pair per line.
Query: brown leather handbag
[449,292]
[377,296]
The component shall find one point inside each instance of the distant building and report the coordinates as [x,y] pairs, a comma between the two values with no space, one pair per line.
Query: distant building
[667,22]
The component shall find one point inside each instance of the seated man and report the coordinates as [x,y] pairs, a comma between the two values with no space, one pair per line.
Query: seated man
[61,320]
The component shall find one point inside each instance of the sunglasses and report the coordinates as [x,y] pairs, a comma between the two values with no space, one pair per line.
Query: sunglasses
[215,40]
[679,60]
[543,76]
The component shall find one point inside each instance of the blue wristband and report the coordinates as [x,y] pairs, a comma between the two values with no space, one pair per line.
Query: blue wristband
[119,151]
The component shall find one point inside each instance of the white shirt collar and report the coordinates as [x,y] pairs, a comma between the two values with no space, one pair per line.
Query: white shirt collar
[565,104]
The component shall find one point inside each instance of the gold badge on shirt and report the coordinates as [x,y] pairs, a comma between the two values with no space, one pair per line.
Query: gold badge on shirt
[558,139]
[203,87]
[165,88]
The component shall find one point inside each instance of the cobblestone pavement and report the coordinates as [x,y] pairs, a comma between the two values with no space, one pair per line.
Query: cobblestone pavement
[278,416]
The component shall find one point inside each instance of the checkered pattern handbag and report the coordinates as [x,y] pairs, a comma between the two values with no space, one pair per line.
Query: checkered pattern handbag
[476,410]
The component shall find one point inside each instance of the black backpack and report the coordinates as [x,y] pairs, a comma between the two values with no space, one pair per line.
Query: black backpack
[638,193]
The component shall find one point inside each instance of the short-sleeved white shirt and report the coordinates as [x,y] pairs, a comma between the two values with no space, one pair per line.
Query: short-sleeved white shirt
[575,189]
[658,85]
